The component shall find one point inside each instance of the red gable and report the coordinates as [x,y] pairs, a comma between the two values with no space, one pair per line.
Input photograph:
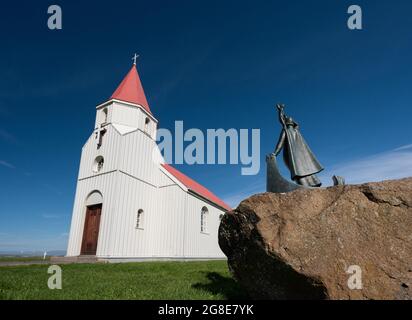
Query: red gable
[195,187]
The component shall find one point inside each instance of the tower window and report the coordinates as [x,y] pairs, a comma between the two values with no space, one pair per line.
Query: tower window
[146,124]
[104,115]
[204,219]
[139,219]
[98,164]
[101,135]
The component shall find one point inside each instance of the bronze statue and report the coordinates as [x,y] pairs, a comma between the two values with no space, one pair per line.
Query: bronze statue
[297,155]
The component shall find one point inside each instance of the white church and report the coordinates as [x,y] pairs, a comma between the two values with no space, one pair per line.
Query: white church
[130,206]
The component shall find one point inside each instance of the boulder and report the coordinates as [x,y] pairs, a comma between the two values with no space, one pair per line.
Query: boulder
[343,242]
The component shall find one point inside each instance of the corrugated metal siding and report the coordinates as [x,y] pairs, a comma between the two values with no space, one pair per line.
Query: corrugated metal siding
[160,234]
[130,181]
[200,244]
[106,184]
[110,150]
[126,115]
[138,160]
[133,117]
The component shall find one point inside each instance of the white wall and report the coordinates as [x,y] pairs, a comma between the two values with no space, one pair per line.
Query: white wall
[106,184]
[110,150]
[128,115]
[130,180]
[136,157]
[200,244]
[162,233]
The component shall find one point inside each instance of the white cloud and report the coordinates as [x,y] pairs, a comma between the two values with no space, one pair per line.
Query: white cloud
[406,147]
[393,164]
[8,137]
[7,164]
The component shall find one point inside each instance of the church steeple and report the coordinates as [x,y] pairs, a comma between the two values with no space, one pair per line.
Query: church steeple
[131,90]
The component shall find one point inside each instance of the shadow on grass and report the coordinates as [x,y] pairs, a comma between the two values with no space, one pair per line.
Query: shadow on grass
[225,286]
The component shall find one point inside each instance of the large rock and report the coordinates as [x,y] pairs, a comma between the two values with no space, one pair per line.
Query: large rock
[300,245]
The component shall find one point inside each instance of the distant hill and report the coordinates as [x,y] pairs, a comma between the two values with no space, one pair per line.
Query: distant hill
[32,253]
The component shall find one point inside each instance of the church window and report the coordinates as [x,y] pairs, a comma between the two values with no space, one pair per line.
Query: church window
[101,135]
[146,124]
[98,164]
[139,219]
[104,115]
[203,219]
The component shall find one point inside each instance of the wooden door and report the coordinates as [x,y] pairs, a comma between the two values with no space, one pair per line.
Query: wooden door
[91,229]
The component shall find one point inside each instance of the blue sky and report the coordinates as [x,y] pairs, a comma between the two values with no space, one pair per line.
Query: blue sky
[212,64]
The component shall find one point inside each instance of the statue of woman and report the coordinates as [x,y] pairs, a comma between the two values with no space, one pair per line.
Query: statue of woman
[297,155]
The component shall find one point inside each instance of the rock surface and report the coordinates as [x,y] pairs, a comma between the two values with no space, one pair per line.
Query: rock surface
[300,245]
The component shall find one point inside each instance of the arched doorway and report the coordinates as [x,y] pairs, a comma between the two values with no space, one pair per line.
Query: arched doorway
[94,204]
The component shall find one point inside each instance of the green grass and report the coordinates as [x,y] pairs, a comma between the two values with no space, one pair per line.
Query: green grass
[145,280]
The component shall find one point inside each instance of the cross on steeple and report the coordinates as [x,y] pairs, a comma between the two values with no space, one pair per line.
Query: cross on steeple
[135,58]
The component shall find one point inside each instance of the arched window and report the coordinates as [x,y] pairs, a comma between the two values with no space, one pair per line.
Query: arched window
[139,219]
[98,164]
[204,219]
[94,197]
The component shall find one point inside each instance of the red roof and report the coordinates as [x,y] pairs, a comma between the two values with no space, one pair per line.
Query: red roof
[195,187]
[131,90]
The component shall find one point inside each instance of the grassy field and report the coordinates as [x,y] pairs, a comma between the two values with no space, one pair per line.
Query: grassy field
[145,280]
